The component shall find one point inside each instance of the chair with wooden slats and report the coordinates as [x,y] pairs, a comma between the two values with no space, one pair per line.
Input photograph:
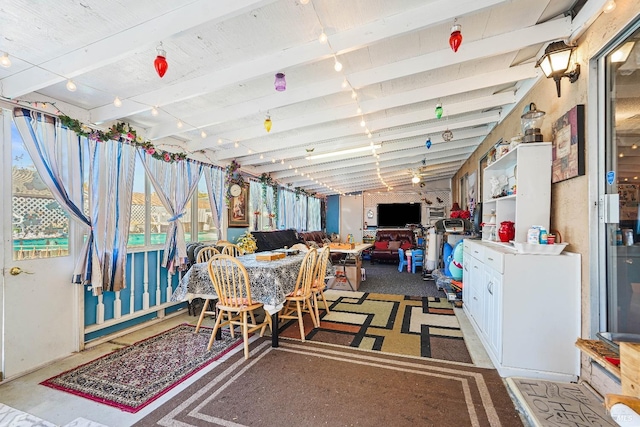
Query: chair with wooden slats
[231,282]
[204,255]
[300,300]
[232,250]
[318,285]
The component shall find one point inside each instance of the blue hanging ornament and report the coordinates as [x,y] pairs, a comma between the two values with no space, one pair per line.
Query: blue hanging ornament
[428,143]
[439,110]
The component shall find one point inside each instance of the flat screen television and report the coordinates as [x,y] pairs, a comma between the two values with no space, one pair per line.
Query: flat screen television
[399,214]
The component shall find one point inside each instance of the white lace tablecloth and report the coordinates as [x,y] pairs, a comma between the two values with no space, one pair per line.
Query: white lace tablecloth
[270,281]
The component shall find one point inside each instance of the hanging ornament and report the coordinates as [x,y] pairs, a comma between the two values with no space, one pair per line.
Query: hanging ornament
[455,39]
[267,123]
[439,110]
[447,135]
[160,62]
[428,143]
[280,83]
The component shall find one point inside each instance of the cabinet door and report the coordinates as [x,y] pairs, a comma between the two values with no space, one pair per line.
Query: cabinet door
[476,290]
[493,305]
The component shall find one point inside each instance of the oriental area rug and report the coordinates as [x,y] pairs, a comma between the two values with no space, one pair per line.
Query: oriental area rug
[414,326]
[134,376]
[313,384]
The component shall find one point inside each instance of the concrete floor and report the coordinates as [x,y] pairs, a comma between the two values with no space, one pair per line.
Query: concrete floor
[60,408]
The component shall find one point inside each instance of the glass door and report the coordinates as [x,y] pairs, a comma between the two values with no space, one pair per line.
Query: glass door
[622,162]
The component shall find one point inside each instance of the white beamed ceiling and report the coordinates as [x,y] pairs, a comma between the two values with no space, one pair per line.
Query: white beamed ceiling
[223,56]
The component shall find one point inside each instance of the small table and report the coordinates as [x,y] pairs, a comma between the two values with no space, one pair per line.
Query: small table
[354,252]
[269,281]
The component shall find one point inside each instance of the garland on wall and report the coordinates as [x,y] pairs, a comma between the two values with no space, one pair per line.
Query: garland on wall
[300,190]
[120,132]
[232,177]
[267,181]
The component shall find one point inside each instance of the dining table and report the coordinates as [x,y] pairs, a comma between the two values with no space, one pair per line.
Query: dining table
[269,281]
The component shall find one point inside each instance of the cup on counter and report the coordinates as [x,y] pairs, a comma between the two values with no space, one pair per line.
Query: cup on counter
[551,239]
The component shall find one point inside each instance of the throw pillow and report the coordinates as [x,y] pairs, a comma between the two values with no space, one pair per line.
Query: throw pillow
[383,245]
[405,245]
[394,246]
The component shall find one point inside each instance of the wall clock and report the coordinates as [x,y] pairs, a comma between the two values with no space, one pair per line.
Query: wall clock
[235,190]
[369,213]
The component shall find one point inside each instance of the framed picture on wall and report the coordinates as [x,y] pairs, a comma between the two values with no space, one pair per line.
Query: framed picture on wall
[567,137]
[239,208]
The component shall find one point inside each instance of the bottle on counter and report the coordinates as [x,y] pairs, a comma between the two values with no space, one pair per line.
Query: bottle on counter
[618,237]
[543,236]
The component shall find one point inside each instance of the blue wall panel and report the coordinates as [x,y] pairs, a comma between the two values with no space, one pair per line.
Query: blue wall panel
[333,214]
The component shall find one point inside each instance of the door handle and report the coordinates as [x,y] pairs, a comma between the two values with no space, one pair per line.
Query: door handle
[14,271]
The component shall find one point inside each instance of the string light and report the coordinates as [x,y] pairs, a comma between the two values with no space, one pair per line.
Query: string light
[203,134]
[154,111]
[322,38]
[337,65]
[609,6]
[345,83]
[117,102]
[5,61]
[179,124]
[219,141]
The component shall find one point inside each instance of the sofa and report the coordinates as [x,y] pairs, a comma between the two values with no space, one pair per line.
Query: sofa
[388,241]
[320,238]
[277,239]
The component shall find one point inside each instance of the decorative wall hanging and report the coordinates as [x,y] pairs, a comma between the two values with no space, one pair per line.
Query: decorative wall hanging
[428,143]
[160,62]
[238,209]
[567,136]
[267,123]
[439,110]
[455,39]
[447,135]
[280,83]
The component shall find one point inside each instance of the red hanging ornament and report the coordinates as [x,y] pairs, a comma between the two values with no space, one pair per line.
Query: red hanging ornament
[160,62]
[455,39]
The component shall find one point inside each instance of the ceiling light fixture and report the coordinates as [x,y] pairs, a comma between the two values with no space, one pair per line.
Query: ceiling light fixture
[609,6]
[117,102]
[71,86]
[5,61]
[160,63]
[267,124]
[342,152]
[280,83]
[555,63]
[455,39]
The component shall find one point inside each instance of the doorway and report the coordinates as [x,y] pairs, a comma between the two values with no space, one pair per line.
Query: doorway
[39,304]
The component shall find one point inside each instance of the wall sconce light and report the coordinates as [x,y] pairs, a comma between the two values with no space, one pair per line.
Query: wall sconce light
[555,62]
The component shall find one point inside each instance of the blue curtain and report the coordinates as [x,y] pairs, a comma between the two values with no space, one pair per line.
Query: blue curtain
[174,183]
[214,178]
[107,168]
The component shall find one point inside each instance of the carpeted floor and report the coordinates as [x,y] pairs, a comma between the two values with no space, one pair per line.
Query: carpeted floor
[415,326]
[312,384]
[132,377]
[386,279]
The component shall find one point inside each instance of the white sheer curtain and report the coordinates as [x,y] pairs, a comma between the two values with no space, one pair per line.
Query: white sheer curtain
[214,178]
[314,222]
[301,213]
[174,183]
[288,209]
[255,204]
[102,260]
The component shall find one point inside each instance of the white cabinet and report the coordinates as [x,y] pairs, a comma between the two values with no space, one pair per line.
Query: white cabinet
[525,309]
[524,177]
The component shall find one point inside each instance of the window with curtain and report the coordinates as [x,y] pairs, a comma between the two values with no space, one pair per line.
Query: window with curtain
[313,214]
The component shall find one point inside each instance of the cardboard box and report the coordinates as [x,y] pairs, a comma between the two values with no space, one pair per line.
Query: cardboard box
[353,273]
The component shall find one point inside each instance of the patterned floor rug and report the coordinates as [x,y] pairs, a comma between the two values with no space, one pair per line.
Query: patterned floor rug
[316,384]
[134,376]
[414,326]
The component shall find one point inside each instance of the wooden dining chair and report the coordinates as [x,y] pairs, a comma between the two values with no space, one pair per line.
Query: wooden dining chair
[232,250]
[231,282]
[204,255]
[299,300]
[318,285]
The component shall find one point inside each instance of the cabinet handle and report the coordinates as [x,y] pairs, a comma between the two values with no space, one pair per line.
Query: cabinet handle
[489,258]
[490,287]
